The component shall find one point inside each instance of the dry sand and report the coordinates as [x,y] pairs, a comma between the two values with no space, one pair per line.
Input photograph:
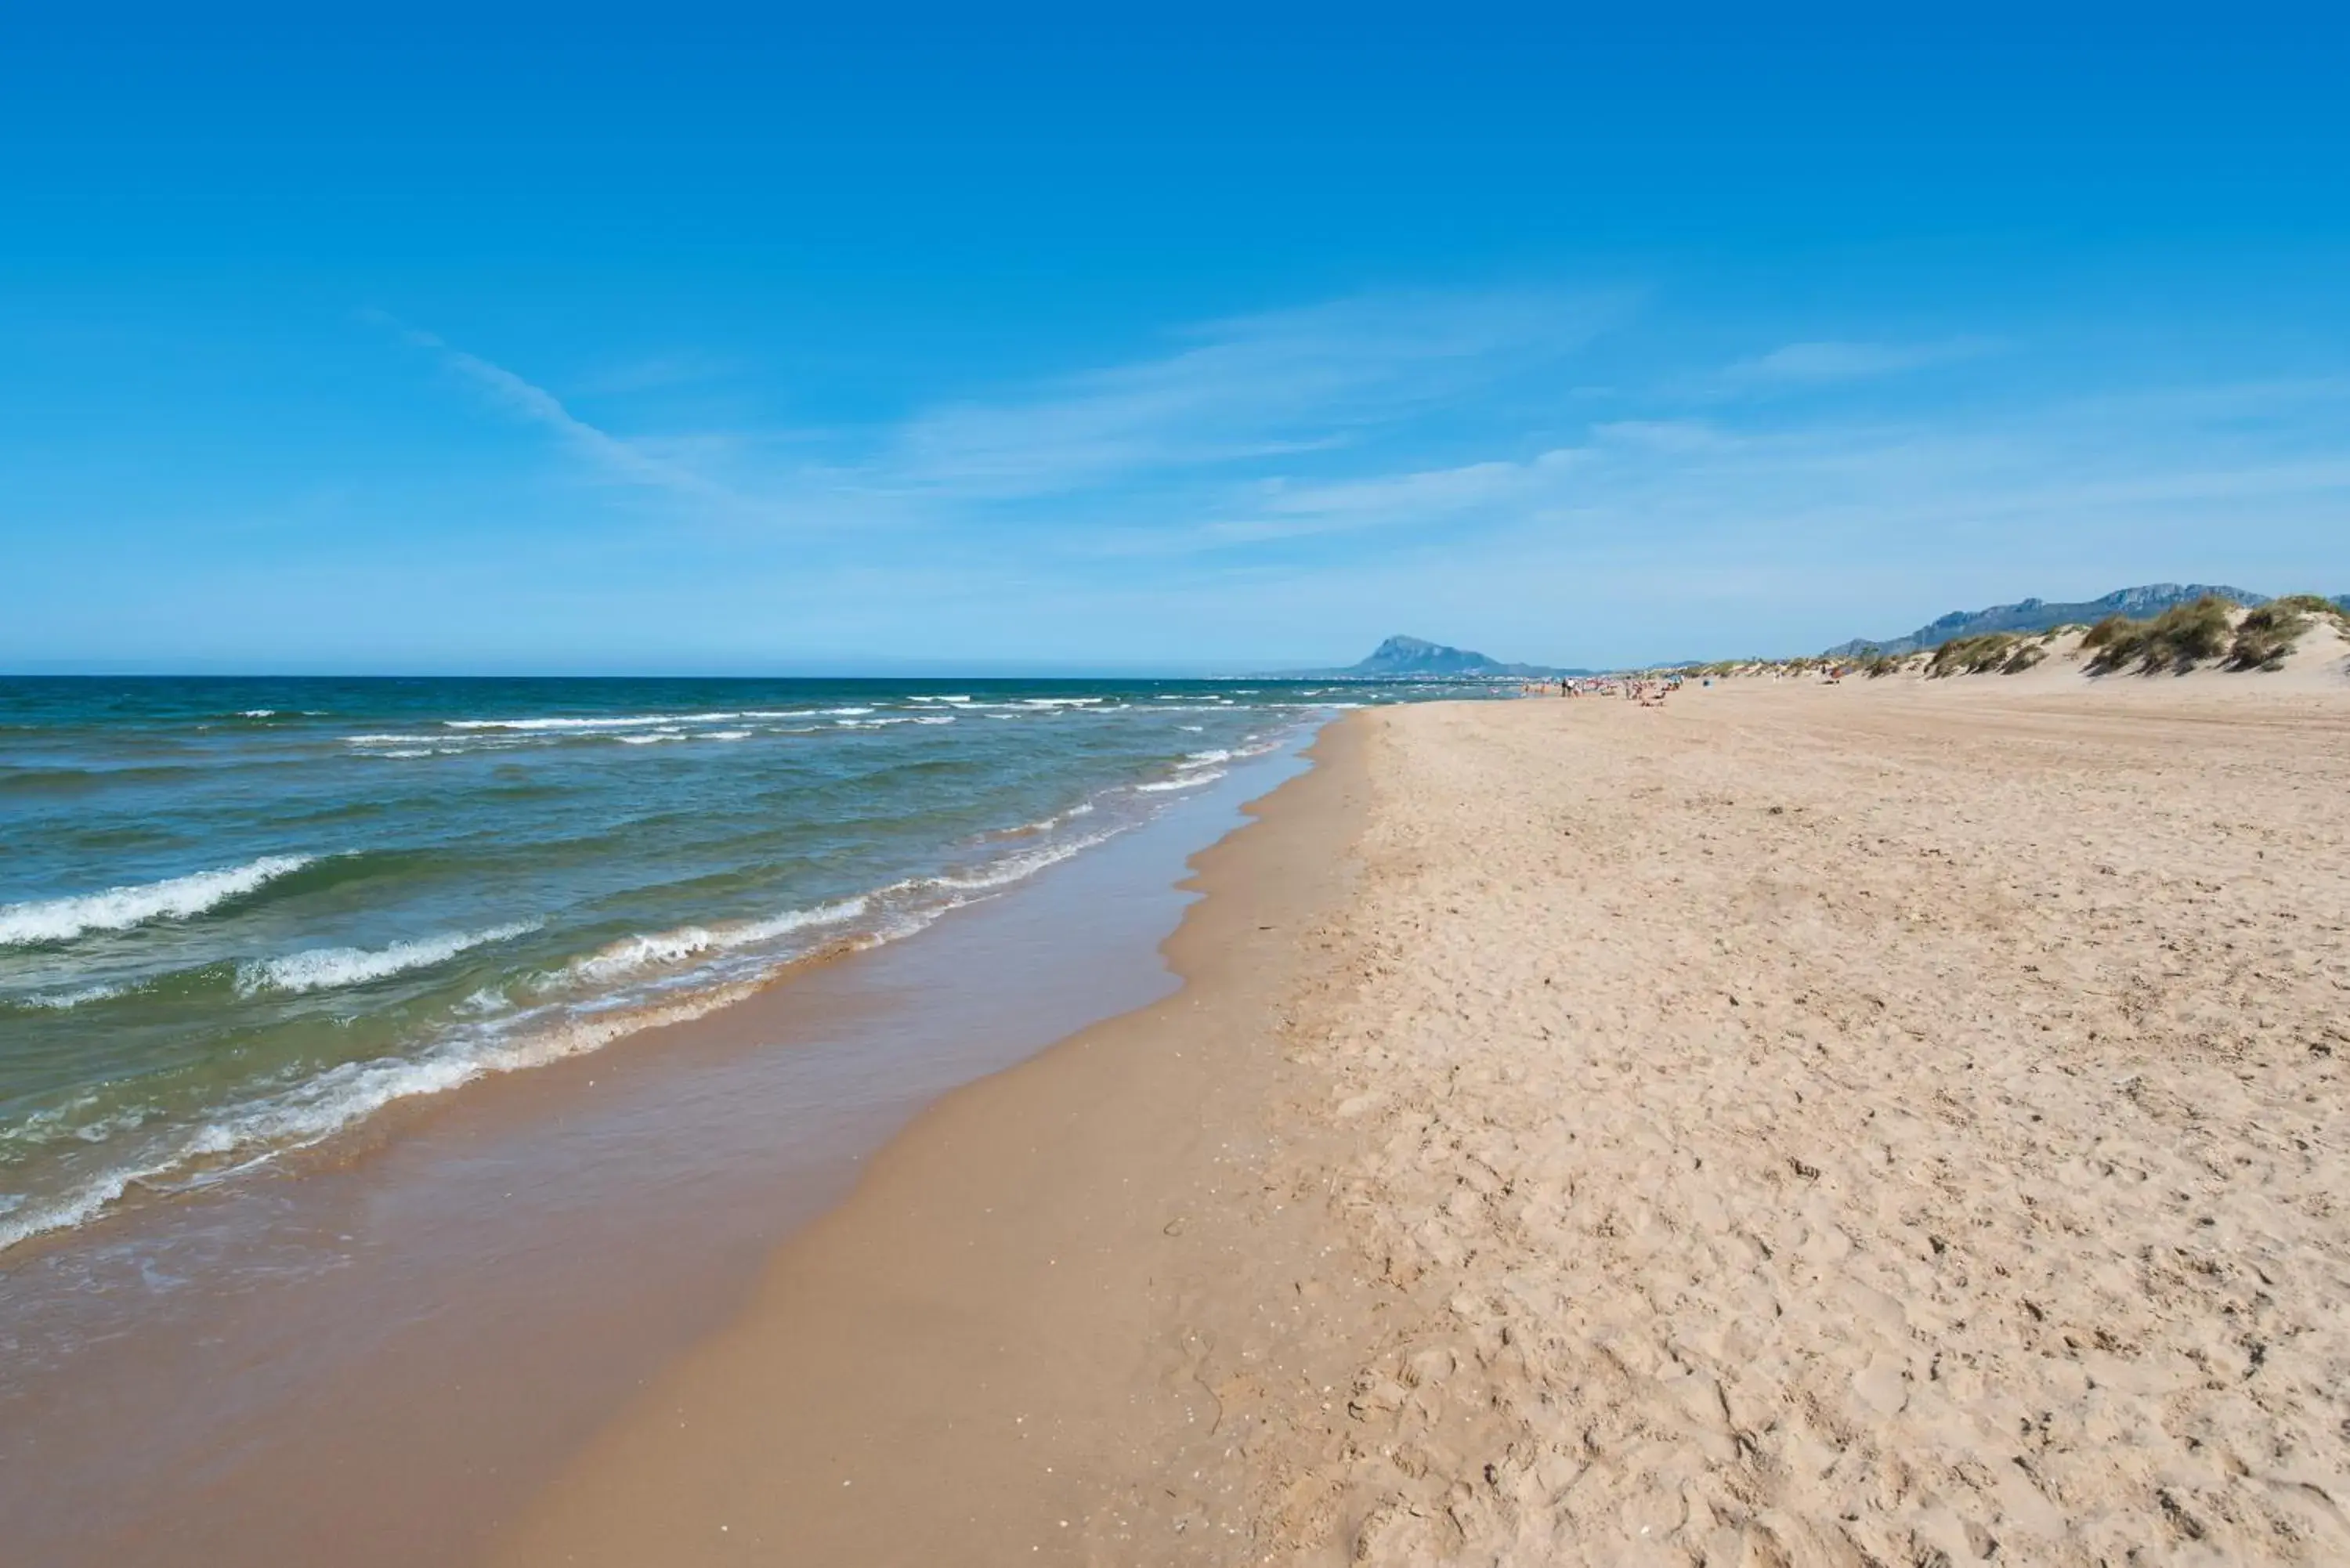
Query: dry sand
[1894,1124]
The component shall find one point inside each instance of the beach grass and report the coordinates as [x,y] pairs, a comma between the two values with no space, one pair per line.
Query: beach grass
[2002,652]
[2177,640]
[2266,635]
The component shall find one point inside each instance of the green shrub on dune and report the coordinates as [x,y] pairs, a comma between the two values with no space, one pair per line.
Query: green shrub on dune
[1973,655]
[2178,639]
[2104,631]
[2266,635]
[2000,651]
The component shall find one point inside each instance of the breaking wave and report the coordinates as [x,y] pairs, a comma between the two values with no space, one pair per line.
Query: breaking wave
[119,908]
[324,969]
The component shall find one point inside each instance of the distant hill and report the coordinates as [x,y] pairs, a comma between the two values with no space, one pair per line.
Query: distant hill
[2039,614]
[1412,658]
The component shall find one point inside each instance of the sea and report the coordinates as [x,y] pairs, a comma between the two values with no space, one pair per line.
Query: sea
[241,916]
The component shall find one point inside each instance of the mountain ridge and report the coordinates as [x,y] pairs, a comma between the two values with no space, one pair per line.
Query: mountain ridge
[1403,657]
[2039,614]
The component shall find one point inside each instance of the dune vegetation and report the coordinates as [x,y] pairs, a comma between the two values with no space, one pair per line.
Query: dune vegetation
[2177,640]
[2002,652]
[2207,631]
[2266,635]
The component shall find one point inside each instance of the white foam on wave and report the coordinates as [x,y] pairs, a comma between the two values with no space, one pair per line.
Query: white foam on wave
[258,713]
[632,722]
[1011,868]
[1043,823]
[727,735]
[119,908]
[652,739]
[324,969]
[62,1000]
[315,1109]
[632,955]
[1206,758]
[489,999]
[1181,780]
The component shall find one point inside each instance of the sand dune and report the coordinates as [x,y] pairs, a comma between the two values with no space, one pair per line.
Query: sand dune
[2319,662]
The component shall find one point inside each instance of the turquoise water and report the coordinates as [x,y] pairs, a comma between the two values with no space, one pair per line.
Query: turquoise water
[238,915]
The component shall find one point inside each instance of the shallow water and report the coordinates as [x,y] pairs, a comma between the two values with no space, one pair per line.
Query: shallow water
[239,916]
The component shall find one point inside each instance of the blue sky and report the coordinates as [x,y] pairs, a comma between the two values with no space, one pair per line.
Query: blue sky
[551,340]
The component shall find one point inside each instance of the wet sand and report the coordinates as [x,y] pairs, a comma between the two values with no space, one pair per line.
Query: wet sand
[1798,1125]
[985,1351]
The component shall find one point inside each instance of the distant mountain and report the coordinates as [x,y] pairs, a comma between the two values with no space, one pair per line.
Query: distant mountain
[2039,614]
[1412,658]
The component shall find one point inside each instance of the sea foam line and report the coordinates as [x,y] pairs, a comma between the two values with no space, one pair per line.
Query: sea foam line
[631,954]
[119,908]
[60,1000]
[309,1112]
[323,968]
[1012,869]
[638,720]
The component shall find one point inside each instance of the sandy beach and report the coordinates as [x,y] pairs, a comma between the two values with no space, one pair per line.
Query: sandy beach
[1895,1122]
[1136,788]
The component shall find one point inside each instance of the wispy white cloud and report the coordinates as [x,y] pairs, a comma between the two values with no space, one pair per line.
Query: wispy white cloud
[655,373]
[1812,364]
[1425,499]
[2046,481]
[1246,390]
[632,461]
[1243,399]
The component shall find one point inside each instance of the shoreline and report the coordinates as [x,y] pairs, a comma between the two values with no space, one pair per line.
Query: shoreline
[417,1324]
[378,893]
[1800,1124]
[1008,1320]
